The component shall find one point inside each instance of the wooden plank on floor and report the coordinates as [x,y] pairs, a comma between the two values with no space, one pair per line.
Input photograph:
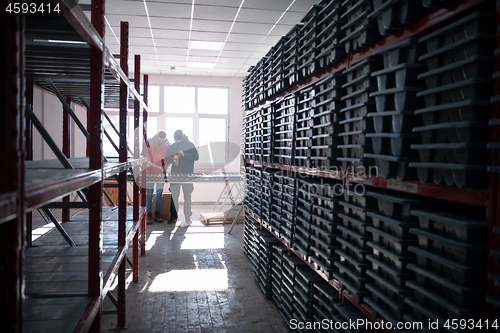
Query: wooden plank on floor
[218,217]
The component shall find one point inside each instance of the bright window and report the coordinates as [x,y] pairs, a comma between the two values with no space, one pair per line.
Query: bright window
[154,99]
[184,124]
[212,100]
[212,130]
[180,99]
[202,113]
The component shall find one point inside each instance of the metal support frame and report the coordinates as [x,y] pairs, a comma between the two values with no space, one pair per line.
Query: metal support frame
[48,139]
[137,106]
[95,279]
[48,216]
[13,150]
[122,183]
[51,143]
[66,150]
[67,107]
[66,205]
[236,218]
[104,130]
[143,182]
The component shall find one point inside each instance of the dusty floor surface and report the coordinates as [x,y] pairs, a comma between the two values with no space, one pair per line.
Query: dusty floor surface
[196,279]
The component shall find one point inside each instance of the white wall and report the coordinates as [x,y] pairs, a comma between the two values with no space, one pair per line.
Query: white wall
[49,111]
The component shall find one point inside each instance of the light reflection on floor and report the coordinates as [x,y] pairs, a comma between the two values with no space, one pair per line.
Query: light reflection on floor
[190,280]
[199,237]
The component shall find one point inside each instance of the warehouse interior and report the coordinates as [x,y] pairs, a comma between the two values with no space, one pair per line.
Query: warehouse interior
[347,178]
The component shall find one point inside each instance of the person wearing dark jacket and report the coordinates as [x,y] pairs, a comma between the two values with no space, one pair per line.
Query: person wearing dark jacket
[182,155]
[156,150]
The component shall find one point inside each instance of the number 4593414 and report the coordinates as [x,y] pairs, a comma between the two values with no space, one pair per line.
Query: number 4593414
[32,8]
[462,324]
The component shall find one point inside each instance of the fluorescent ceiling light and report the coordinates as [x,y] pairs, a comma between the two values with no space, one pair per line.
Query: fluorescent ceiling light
[66,41]
[201,64]
[204,45]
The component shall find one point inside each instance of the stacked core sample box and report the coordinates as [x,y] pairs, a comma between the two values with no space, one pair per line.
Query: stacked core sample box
[395,103]
[458,82]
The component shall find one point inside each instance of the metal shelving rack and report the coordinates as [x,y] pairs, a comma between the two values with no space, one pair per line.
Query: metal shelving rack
[487,197]
[85,72]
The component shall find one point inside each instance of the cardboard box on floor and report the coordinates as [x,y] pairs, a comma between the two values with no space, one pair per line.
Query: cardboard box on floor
[165,205]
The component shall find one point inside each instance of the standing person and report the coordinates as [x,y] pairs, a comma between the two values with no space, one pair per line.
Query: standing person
[182,155]
[156,150]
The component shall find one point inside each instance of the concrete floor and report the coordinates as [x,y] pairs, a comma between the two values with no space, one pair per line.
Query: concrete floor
[196,279]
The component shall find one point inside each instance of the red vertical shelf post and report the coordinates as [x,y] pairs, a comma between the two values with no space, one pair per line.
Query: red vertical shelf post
[28,134]
[12,173]
[66,150]
[122,178]
[143,168]
[137,85]
[95,163]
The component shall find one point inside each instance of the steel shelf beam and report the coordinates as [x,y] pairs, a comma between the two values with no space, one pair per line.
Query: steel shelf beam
[8,206]
[470,196]
[42,193]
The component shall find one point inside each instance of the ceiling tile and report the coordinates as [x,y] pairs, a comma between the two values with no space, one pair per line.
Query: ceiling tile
[138,21]
[223,3]
[172,50]
[259,16]
[136,32]
[171,34]
[245,38]
[257,29]
[170,23]
[232,46]
[279,5]
[140,41]
[165,9]
[208,36]
[236,54]
[211,25]
[167,42]
[125,7]
[252,35]
[171,57]
[207,53]
[215,13]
